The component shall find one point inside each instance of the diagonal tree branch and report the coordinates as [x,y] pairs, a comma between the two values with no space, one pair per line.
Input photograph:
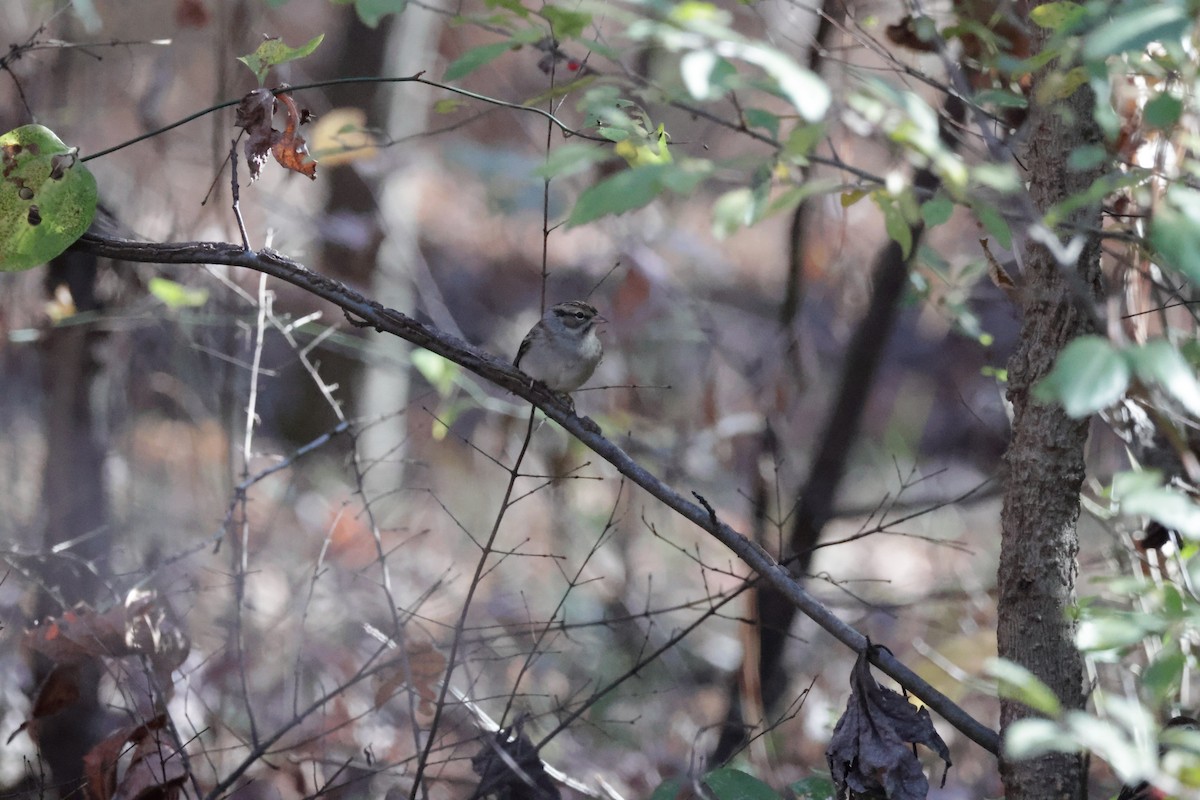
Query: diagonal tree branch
[499,372]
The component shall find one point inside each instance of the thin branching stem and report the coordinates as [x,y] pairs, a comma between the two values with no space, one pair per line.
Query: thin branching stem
[367,313]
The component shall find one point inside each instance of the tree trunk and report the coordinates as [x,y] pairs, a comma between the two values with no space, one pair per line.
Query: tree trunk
[1045,458]
[75,498]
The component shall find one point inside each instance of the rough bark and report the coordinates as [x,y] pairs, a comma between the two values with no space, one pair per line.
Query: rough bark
[1045,458]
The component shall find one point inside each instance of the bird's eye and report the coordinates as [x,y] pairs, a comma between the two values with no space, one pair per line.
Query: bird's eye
[580,315]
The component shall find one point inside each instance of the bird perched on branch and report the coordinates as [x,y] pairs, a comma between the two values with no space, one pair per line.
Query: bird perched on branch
[562,349]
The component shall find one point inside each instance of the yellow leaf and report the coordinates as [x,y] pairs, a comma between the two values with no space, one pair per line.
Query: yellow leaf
[340,136]
[853,196]
[652,149]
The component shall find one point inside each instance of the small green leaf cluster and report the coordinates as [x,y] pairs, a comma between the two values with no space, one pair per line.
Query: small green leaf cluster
[1091,374]
[1126,732]
[273,52]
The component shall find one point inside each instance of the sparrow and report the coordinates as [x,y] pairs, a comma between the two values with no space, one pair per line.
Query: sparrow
[562,349]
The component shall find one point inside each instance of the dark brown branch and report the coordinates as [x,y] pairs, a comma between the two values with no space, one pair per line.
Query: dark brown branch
[501,373]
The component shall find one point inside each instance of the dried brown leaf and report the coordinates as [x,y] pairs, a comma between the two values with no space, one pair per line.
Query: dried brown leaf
[142,626]
[290,149]
[998,274]
[254,116]
[59,690]
[153,771]
[424,663]
[78,635]
[872,746]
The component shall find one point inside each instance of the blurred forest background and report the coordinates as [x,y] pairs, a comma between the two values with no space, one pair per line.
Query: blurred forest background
[279,495]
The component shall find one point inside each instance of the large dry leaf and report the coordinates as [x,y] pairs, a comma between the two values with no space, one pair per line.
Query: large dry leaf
[421,663]
[254,115]
[872,750]
[78,635]
[153,770]
[59,690]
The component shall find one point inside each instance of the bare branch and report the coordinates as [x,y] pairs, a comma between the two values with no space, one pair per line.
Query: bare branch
[500,372]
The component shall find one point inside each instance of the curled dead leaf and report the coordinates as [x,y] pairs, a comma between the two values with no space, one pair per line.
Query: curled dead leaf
[999,275]
[872,746]
[254,115]
[153,769]
[290,149]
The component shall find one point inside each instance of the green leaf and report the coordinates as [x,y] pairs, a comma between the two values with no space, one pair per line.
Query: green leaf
[993,222]
[1001,177]
[1175,231]
[448,105]
[1090,375]
[696,69]
[47,197]
[1143,492]
[798,194]
[802,88]
[1136,28]
[1172,603]
[475,58]
[1108,633]
[274,52]
[1015,682]
[668,790]
[1030,738]
[514,6]
[1058,16]
[731,784]
[937,211]
[894,222]
[439,372]
[1165,674]
[370,12]
[814,787]
[757,118]
[1124,739]
[1191,351]
[1162,111]
[852,196]
[1001,98]
[176,295]
[1087,157]
[734,210]
[1159,363]
[629,189]
[565,24]
[803,139]
[570,158]
[683,177]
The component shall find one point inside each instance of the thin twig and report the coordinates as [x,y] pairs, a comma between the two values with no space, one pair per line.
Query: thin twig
[500,372]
